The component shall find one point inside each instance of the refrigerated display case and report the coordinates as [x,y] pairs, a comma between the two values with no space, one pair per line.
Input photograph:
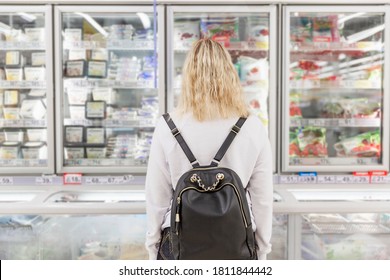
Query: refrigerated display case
[249,35]
[26,90]
[335,94]
[333,222]
[110,85]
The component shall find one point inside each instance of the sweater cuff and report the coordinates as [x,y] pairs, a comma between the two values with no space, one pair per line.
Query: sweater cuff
[262,256]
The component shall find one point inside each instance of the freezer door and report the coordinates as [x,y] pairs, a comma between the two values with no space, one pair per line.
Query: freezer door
[249,35]
[110,86]
[26,90]
[335,95]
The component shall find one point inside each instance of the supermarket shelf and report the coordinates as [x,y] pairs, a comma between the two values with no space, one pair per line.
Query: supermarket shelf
[83,83]
[347,84]
[333,161]
[110,45]
[22,123]
[23,163]
[142,123]
[329,123]
[103,162]
[335,46]
[22,46]
[23,84]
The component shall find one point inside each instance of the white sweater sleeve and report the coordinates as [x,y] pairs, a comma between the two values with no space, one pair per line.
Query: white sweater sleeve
[158,189]
[260,189]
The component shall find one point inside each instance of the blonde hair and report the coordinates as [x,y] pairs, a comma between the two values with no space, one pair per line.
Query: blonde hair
[211,87]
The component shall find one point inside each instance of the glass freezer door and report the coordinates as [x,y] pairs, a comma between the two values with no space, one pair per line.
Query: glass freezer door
[335,93]
[109,88]
[26,90]
[249,35]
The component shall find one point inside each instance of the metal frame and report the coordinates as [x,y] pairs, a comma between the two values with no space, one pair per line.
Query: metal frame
[286,167]
[272,87]
[49,169]
[59,82]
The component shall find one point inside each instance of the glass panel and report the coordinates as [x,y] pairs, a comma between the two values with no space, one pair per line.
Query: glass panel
[279,238]
[245,35]
[109,88]
[23,117]
[15,196]
[336,88]
[346,236]
[91,237]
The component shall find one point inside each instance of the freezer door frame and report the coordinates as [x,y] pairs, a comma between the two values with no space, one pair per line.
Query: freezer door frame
[286,167]
[49,169]
[131,9]
[271,10]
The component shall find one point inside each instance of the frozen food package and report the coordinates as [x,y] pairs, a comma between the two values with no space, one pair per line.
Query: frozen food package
[95,135]
[37,93]
[301,29]
[363,145]
[221,29]
[74,152]
[35,34]
[322,29]
[258,103]
[350,108]
[14,74]
[74,134]
[294,150]
[12,58]
[312,141]
[96,152]
[252,69]
[73,34]
[295,109]
[185,32]
[38,59]
[77,112]
[10,150]
[11,113]
[14,135]
[76,54]
[333,109]
[34,150]
[104,94]
[77,96]
[33,109]
[11,98]
[36,135]
[2,136]
[258,30]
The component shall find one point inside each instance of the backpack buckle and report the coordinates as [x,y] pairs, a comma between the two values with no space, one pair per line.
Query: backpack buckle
[175,132]
[235,129]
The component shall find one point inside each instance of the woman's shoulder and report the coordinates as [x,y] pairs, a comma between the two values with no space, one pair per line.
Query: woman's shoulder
[253,122]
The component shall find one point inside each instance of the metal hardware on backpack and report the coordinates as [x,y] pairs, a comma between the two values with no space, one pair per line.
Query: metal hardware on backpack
[210,216]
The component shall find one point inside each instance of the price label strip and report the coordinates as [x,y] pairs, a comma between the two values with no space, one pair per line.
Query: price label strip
[326,179]
[72,178]
[108,180]
[44,180]
[6,181]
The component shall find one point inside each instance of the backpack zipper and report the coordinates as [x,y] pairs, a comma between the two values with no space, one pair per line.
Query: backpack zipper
[178,200]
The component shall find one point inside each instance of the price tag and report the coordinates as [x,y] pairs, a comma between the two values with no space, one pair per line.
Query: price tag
[307,179]
[109,180]
[292,179]
[6,180]
[347,179]
[44,180]
[72,178]
[326,179]
[361,180]
[380,179]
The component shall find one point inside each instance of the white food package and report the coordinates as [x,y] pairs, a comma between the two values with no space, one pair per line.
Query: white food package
[33,109]
[185,33]
[77,96]
[253,70]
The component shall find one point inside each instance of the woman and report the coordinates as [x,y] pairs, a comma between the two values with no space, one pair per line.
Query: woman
[211,101]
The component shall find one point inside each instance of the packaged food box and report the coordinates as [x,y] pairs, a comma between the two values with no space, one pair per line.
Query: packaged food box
[11,113]
[9,150]
[220,29]
[74,153]
[363,145]
[96,153]
[185,32]
[77,112]
[33,109]
[34,150]
[14,135]
[77,96]
[36,135]
[104,94]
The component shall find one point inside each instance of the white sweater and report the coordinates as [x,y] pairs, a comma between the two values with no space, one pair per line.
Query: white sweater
[249,156]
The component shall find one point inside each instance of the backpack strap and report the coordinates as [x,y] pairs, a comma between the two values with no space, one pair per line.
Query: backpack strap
[176,133]
[229,139]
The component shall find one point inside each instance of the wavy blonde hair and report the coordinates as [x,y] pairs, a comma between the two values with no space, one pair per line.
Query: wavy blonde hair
[211,88]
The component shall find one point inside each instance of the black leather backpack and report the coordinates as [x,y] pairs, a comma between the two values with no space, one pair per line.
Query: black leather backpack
[210,216]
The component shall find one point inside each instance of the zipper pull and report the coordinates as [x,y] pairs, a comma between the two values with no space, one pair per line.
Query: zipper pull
[177,220]
[177,217]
